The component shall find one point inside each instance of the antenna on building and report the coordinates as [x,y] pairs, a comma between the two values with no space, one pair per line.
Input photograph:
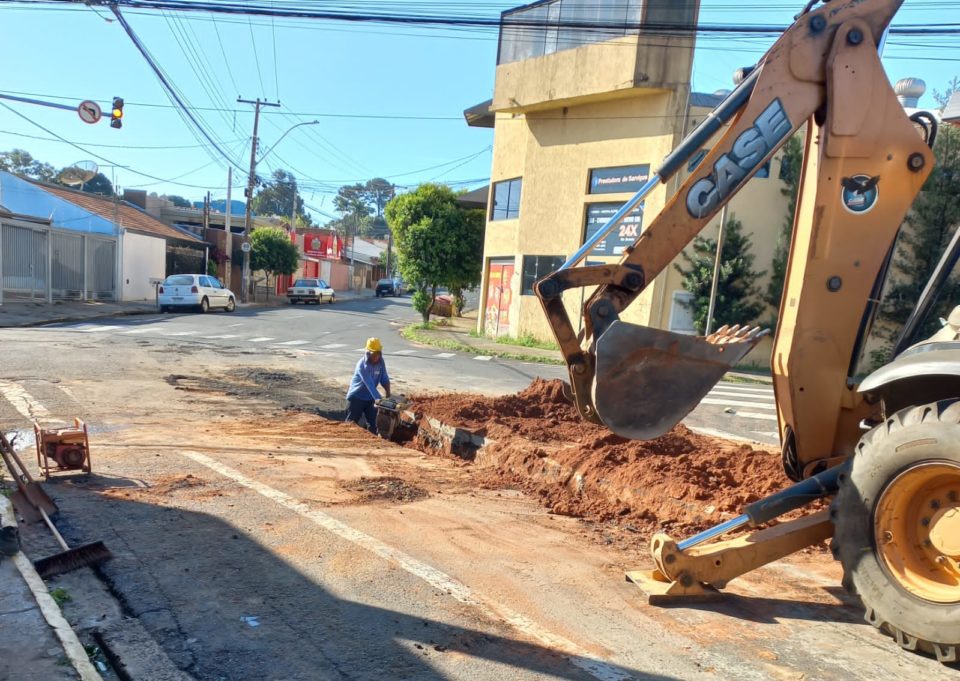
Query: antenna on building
[76,174]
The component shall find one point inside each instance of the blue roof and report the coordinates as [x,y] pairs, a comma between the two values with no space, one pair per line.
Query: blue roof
[20,196]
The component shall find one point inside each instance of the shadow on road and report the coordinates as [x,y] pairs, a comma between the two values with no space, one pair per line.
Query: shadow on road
[224,606]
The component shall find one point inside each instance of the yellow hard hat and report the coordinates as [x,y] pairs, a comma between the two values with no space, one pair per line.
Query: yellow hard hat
[374,345]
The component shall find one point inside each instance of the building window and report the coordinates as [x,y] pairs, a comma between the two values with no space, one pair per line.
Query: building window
[681,316]
[537,267]
[506,199]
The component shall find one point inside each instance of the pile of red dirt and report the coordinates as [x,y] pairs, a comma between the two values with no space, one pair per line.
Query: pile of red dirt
[681,481]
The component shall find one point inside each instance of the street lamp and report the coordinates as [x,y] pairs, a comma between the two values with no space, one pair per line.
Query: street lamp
[251,183]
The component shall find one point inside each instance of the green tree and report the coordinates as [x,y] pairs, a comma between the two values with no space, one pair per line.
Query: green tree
[271,251]
[178,201]
[98,184]
[942,98]
[277,197]
[352,203]
[438,242]
[20,162]
[790,176]
[924,236]
[737,294]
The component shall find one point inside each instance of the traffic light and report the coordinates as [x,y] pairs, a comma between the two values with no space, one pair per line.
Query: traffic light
[116,114]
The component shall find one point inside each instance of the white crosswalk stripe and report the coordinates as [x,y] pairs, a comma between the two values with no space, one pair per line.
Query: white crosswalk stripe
[742,396]
[483,358]
[142,329]
[295,342]
[737,403]
[181,333]
[100,328]
[736,387]
[230,326]
[221,336]
[403,352]
[755,415]
[332,346]
[445,355]
[260,339]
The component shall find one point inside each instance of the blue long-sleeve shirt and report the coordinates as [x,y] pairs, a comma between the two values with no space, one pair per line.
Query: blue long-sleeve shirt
[366,378]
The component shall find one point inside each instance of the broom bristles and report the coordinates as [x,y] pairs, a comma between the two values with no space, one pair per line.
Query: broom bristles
[81,556]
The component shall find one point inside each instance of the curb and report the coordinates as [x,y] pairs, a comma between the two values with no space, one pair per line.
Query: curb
[64,320]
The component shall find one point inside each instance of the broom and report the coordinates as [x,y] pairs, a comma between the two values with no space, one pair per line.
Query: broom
[69,559]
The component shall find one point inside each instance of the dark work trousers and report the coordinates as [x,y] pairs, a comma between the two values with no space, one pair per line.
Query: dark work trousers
[365,408]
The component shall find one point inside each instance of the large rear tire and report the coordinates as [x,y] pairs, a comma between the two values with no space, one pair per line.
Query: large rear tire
[897,528]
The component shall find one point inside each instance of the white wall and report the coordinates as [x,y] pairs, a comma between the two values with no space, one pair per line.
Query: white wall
[144,258]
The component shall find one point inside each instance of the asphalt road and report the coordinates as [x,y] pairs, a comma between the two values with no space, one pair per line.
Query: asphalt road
[334,335]
[241,552]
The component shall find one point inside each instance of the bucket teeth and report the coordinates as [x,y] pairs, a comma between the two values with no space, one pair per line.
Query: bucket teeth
[945,653]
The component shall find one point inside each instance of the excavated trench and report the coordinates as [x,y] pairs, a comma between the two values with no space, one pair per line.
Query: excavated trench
[535,440]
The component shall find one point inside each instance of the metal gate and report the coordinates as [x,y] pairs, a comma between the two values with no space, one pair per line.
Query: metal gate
[43,264]
[24,262]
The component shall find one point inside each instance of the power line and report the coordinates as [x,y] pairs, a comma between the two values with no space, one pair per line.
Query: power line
[168,87]
[95,155]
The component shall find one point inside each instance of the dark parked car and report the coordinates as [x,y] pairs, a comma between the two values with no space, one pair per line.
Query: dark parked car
[389,287]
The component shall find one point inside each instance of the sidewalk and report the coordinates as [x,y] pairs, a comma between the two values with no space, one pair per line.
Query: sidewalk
[459,330]
[21,314]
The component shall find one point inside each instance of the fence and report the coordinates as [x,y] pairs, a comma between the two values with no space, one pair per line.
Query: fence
[43,264]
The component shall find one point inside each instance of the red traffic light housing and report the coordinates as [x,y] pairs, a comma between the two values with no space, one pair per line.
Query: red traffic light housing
[116,113]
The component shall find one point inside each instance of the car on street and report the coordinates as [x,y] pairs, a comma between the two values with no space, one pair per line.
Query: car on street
[194,291]
[310,291]
[389,287]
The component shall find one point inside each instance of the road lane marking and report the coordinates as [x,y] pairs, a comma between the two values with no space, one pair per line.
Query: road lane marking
[230,326]
[483,358]
[737,403]
[742,396]
[332,346]
[403,352]
[740,388]
[99,328]
[223,336]
[182,333]
[445,355]
[436,578]
[260,339]
[755,415]
[296,342]
[142,329]
[25,403]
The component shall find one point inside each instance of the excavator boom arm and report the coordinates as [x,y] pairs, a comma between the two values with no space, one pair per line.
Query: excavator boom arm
[824,69]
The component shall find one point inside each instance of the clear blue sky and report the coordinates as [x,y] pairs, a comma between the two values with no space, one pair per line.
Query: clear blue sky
[346,70]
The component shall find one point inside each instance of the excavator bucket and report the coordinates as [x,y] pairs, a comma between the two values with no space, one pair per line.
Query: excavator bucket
[647,380]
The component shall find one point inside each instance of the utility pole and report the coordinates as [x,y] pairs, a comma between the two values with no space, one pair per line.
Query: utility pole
[251,183]
[716,271]
[228,242]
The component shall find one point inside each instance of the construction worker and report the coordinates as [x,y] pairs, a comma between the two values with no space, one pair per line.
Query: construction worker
[363,395]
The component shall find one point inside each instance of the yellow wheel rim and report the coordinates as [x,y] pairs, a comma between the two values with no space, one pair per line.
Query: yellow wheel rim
[917,525]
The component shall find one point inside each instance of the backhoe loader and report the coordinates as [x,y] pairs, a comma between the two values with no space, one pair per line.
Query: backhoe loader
[884,450]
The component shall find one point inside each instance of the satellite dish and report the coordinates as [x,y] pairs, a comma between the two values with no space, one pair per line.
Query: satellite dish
[78,173]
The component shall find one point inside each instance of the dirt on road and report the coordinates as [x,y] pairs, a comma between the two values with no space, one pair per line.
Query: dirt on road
[680,482]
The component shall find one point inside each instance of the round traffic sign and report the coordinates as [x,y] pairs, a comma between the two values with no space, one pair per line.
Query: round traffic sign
[89,111]
[245,247]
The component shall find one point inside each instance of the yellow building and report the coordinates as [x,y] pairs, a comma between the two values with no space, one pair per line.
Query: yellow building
[581,119]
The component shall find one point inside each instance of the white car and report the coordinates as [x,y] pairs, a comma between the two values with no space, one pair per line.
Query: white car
[310,291]
[194,290]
